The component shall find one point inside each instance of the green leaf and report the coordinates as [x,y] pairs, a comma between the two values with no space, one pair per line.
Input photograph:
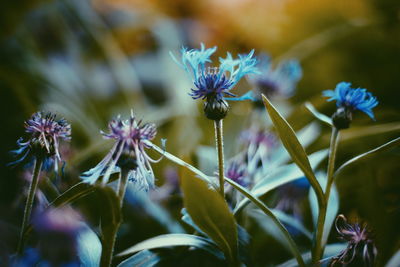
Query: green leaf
[384,147]
[306,136]
[110,207]
[267,225]
[110,220]
[281,176]
[285,234]
[88,247]
[332,210]
[293,146]
[144,258]
[75,192]
[321,117]
[172,240]
[331,250]
[210,212]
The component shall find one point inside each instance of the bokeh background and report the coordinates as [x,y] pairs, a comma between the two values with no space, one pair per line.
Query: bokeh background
[91,60]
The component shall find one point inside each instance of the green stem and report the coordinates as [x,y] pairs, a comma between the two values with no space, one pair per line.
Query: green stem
[29,202]
[292,245]
[110,233]
[319,246]
[220,150]
[122,185]
[109,237]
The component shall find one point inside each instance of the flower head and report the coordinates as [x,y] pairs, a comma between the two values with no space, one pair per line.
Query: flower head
[212,82]
[350,99]
[280,81]
[45,133]
[360,247]
[127,153]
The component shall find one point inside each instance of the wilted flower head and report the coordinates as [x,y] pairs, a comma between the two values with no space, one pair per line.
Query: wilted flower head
[349,100]
[45,133]
[58,230]
[127,153]
[360,250]
[279,81]
[214,83]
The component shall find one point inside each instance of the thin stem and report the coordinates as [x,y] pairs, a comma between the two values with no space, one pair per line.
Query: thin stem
[29,202]
[292,245]
[108,245]
[122,185]
[318,250]
[110,233]
[220,150]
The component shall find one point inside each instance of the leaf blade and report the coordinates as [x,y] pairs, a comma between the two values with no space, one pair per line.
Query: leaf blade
[293,146]
[169,240]
[212,216]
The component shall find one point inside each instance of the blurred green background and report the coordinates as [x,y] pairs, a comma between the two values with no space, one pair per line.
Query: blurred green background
[91,60]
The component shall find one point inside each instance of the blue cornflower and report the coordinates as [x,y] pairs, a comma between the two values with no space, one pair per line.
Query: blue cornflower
[279,81]
[45,133]
[127,153]
[351,99]
[214,82]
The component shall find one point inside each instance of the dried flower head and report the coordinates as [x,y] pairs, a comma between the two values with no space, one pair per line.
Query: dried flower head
[360,250]
[128,153]
[349,100]
[45,133]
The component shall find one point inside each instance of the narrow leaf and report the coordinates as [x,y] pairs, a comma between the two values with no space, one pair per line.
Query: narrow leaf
[384,147]
[331,250]
[89,247]
[332,210]
[293,146]
[281,176]
[171,240]
[210,213]
[144,258]
[321,117]
[285,234]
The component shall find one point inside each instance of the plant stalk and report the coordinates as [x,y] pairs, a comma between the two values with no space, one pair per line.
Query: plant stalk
[220,150]
[29,202]
[110,233]
[319,246]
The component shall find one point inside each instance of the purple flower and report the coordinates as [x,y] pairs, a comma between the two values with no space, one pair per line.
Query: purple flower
[360,250]
[128,152]
[45,133]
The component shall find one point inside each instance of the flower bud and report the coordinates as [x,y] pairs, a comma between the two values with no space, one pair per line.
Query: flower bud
[216,109]
[342,118]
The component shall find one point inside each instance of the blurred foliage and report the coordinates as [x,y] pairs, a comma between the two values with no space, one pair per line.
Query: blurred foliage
[91,60]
